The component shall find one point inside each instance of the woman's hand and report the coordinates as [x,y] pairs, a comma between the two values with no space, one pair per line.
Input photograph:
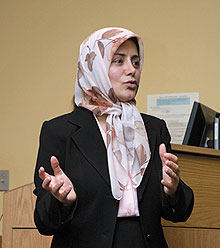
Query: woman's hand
[171,171]
[59,185]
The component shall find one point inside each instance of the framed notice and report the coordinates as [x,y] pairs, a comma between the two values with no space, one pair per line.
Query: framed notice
[175,109]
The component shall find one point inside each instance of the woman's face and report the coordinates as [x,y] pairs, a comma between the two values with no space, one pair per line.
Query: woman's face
[124,71]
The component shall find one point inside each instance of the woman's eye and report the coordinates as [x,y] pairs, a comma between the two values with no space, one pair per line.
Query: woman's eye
[136,63]
[117,61]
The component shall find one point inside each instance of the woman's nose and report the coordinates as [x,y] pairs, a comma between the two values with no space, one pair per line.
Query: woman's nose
[129,68]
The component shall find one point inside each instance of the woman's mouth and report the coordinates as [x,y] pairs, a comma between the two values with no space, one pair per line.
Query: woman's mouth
[131,84]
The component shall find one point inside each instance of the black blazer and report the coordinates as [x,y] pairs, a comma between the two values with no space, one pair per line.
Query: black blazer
[76,141]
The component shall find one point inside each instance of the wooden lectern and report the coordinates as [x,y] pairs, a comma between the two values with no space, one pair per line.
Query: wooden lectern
[200,169]
[18,225]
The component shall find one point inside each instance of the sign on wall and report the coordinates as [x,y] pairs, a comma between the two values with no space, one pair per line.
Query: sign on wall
[175,109]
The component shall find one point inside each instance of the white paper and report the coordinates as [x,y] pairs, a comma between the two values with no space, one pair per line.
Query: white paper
[175,109]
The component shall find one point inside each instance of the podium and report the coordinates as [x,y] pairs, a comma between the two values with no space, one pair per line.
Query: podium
[199,168]
[19,229]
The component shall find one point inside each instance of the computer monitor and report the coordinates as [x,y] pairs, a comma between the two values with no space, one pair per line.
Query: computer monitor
[200,128]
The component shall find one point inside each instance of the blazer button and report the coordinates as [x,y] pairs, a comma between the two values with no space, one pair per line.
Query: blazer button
[148,237]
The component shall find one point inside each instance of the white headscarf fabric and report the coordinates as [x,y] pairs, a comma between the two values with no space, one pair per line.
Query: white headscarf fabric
[128,149]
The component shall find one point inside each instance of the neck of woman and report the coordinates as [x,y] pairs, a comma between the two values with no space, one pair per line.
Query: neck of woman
[102,121]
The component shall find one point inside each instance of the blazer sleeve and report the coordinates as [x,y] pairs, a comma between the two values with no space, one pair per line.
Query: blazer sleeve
[49,212]
[179,208]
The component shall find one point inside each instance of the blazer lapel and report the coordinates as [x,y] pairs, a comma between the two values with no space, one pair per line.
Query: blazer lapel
[89,140]
[152,142]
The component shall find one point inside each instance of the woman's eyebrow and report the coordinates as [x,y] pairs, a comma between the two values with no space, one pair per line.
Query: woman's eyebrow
[122,54]
[136,56]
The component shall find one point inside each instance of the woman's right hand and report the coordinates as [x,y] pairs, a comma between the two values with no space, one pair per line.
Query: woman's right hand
[59,185]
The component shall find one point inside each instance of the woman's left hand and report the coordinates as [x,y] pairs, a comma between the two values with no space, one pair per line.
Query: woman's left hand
[171,171]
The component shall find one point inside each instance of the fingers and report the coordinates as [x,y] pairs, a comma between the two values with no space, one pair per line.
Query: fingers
[56,187]
[55,166]
[170,179]
[58,184]
[46,183]
[171,171]
[169,188]
[173,177]
[60,190]
[169,162]
[171,157]
[164,155]
[171,168]
[42,173]
[162,151]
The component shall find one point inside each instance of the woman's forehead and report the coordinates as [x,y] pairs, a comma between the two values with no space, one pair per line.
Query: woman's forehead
[127,45]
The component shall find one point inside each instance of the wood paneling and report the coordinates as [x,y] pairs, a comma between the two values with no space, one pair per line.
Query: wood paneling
[200,169]
[19,229]
[29,238]
[192,237]
[19,205]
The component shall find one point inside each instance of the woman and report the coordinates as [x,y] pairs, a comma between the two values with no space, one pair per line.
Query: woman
[108,175]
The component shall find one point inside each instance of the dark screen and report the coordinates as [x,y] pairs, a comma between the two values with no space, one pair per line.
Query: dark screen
[199,131]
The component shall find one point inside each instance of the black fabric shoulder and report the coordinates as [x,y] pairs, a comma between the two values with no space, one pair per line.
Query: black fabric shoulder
[159,127]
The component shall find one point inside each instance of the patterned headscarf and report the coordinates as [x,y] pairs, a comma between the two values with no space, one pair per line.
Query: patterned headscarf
[127,143]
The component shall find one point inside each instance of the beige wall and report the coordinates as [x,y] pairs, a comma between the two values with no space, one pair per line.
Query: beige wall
[39,49]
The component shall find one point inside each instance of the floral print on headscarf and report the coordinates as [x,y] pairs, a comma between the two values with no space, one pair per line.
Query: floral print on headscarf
[128,149]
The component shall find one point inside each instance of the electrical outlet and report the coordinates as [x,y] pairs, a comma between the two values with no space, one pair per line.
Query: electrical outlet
[4,180]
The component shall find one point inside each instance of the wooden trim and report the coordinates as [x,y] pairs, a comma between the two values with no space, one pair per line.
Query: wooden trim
[192,237]
[195,150]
